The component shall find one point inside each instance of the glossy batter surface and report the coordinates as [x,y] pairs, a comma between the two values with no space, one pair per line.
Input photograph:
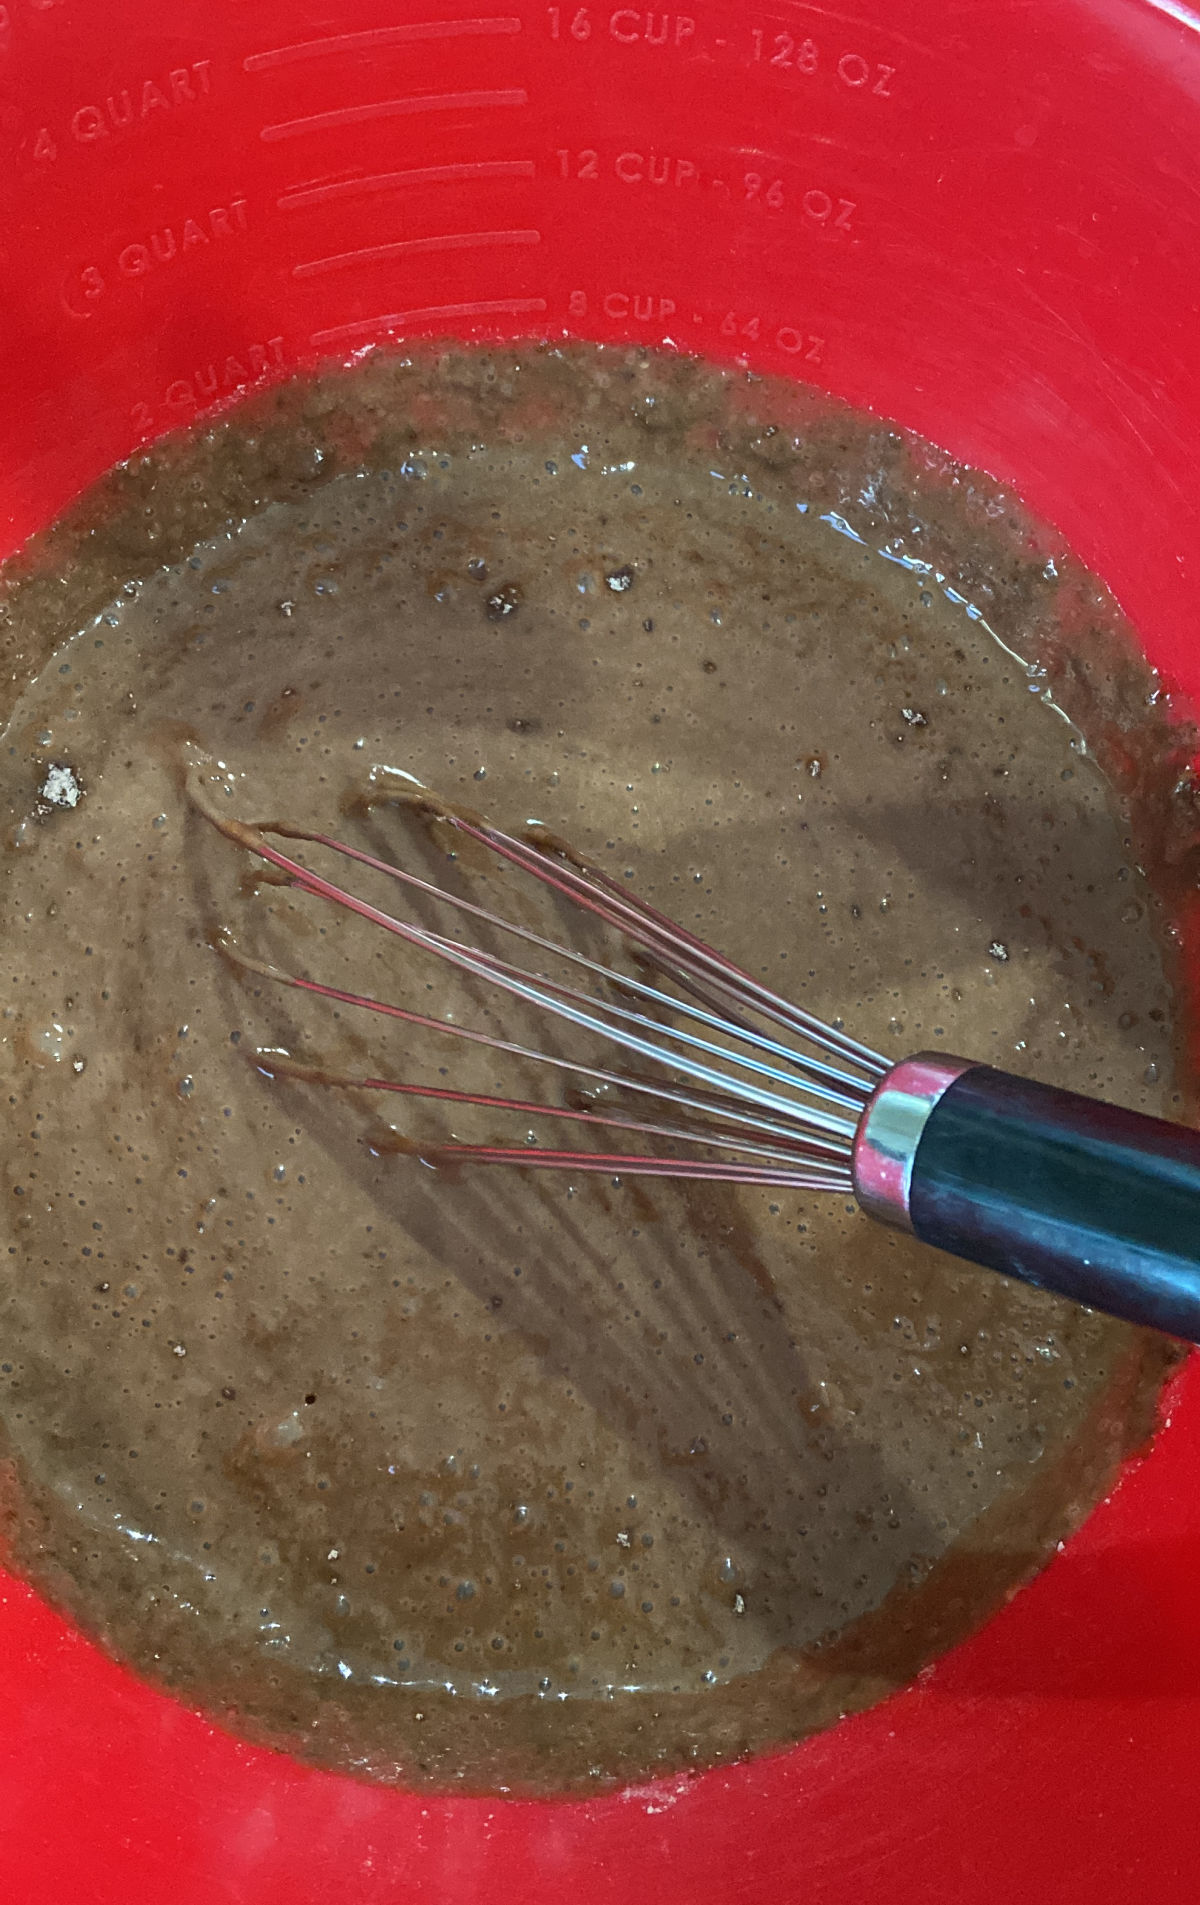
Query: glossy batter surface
[505,1480]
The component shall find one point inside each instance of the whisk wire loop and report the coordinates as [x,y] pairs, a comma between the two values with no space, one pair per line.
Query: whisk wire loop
[789,1116]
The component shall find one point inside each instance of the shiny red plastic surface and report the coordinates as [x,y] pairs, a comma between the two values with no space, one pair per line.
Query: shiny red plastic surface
[982,221]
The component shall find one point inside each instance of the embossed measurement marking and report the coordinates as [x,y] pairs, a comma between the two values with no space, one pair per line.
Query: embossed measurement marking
[787,54]
[128,108]
[393,109]
[795,54]
[151,251]
[410,247]
[324,191]
[428,314]
[220,377]
[658,169]
[333,189]
[376,38]
[656,308]
[629,26]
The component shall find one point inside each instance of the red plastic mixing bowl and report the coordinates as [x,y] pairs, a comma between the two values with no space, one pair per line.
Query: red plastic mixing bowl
[983,221]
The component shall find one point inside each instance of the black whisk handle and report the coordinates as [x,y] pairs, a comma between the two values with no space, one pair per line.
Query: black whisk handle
[1096,1203]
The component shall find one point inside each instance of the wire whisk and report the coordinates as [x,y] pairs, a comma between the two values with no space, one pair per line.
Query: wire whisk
[778,1093]
[721,1078]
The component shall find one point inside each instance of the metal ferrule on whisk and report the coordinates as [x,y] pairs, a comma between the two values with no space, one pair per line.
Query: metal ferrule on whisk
[890,1132]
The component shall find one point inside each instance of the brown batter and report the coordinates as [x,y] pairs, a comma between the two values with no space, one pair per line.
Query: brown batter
[505,1480]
